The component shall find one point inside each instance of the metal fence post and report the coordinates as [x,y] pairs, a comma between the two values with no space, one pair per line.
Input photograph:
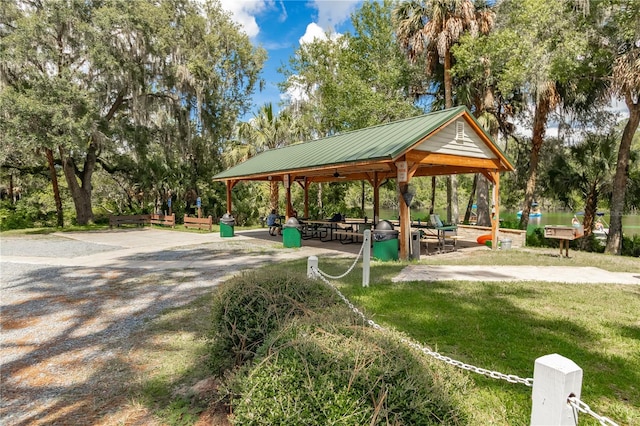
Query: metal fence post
[555,378]
[312,262]
[366,258]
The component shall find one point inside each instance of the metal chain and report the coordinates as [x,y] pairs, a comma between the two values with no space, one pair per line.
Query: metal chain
[350,269]
[584,408]
[511,378]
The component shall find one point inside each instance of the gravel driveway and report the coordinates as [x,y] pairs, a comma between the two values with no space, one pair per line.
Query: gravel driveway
[66,325]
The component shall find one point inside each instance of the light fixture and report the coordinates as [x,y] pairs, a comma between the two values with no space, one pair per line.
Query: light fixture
[336,174]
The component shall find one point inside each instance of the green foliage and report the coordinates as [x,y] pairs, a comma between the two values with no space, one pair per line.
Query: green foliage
[147,90]
[631,246]
[354,81]
[247,308]
[316,373]
[536,238]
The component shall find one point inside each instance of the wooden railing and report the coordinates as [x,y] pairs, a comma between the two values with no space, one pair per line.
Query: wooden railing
[199,223]
[143,219]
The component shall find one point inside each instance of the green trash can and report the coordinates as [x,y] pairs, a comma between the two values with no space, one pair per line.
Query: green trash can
[291,235]
[385,242]
[227,224]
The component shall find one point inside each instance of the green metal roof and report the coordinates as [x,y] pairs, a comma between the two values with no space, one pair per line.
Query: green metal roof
[382,142]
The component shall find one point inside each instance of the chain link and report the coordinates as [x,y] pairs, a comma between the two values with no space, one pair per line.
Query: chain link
[575,403]
[584,408]
[489,373]
[366,241]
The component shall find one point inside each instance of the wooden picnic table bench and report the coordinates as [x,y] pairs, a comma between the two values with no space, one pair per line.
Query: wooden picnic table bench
[165,220]
[199,223]
[137,219]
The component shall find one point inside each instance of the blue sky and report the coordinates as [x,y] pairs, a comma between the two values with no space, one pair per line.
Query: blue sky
[280,26]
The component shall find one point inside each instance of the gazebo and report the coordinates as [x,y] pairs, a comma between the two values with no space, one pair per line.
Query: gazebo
[440,143]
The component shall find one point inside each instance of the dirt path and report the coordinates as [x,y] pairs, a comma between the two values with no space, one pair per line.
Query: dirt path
[71,311]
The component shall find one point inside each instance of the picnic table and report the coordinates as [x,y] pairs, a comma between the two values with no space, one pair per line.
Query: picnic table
[564,234]
[442,235]
[328,230]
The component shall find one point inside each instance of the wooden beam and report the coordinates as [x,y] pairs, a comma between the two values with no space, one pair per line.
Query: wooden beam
[427,157]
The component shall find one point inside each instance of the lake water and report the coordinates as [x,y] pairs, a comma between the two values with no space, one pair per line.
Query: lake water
[630,223]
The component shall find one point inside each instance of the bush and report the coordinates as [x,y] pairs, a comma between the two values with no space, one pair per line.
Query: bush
[631,246]
[348,375]
[536,238]
[247,308]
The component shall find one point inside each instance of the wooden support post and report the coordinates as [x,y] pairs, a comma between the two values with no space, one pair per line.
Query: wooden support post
[555,378]
[376,199]
[229,187]
[306,197]
[495,210]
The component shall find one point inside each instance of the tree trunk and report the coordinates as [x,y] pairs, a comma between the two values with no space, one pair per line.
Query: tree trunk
[56,188]
[80,191]
[539,128]
[472,194]
[614,240]
[433,195]
[11,194]
[449,199]
[484,214]
[453,213]
[590,210]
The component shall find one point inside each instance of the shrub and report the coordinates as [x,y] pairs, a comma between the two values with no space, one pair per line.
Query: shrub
[631,246]
[250,306]
[348,375]
[536,238]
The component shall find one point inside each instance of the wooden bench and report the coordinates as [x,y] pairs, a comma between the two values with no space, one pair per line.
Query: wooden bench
[199,223]
[165,220]
[138,219]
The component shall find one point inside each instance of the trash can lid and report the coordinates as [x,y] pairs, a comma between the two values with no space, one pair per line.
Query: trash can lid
[384,225]
[292,222]
[227,219]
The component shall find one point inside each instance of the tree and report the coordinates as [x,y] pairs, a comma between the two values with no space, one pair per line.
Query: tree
[125,79]
[427,30]
[622,42]
[587,167]
[265,131]
[354,81]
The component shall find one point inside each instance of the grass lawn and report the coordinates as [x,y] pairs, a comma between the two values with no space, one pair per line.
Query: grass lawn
[497,326]
[506,326]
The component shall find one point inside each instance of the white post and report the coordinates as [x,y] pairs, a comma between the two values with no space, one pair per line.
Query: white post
[555,378]
[312,263]
[366,257]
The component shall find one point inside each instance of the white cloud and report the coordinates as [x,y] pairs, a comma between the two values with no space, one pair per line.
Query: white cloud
[313,32]
[244,12]
[332,13]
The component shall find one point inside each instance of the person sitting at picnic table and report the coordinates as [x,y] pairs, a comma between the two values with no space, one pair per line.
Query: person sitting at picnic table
[599,226]
[337,217]
[575,222]
[272,223]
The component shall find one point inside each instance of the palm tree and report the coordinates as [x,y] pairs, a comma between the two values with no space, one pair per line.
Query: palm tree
[587,167]
[426,30]
[267,130]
